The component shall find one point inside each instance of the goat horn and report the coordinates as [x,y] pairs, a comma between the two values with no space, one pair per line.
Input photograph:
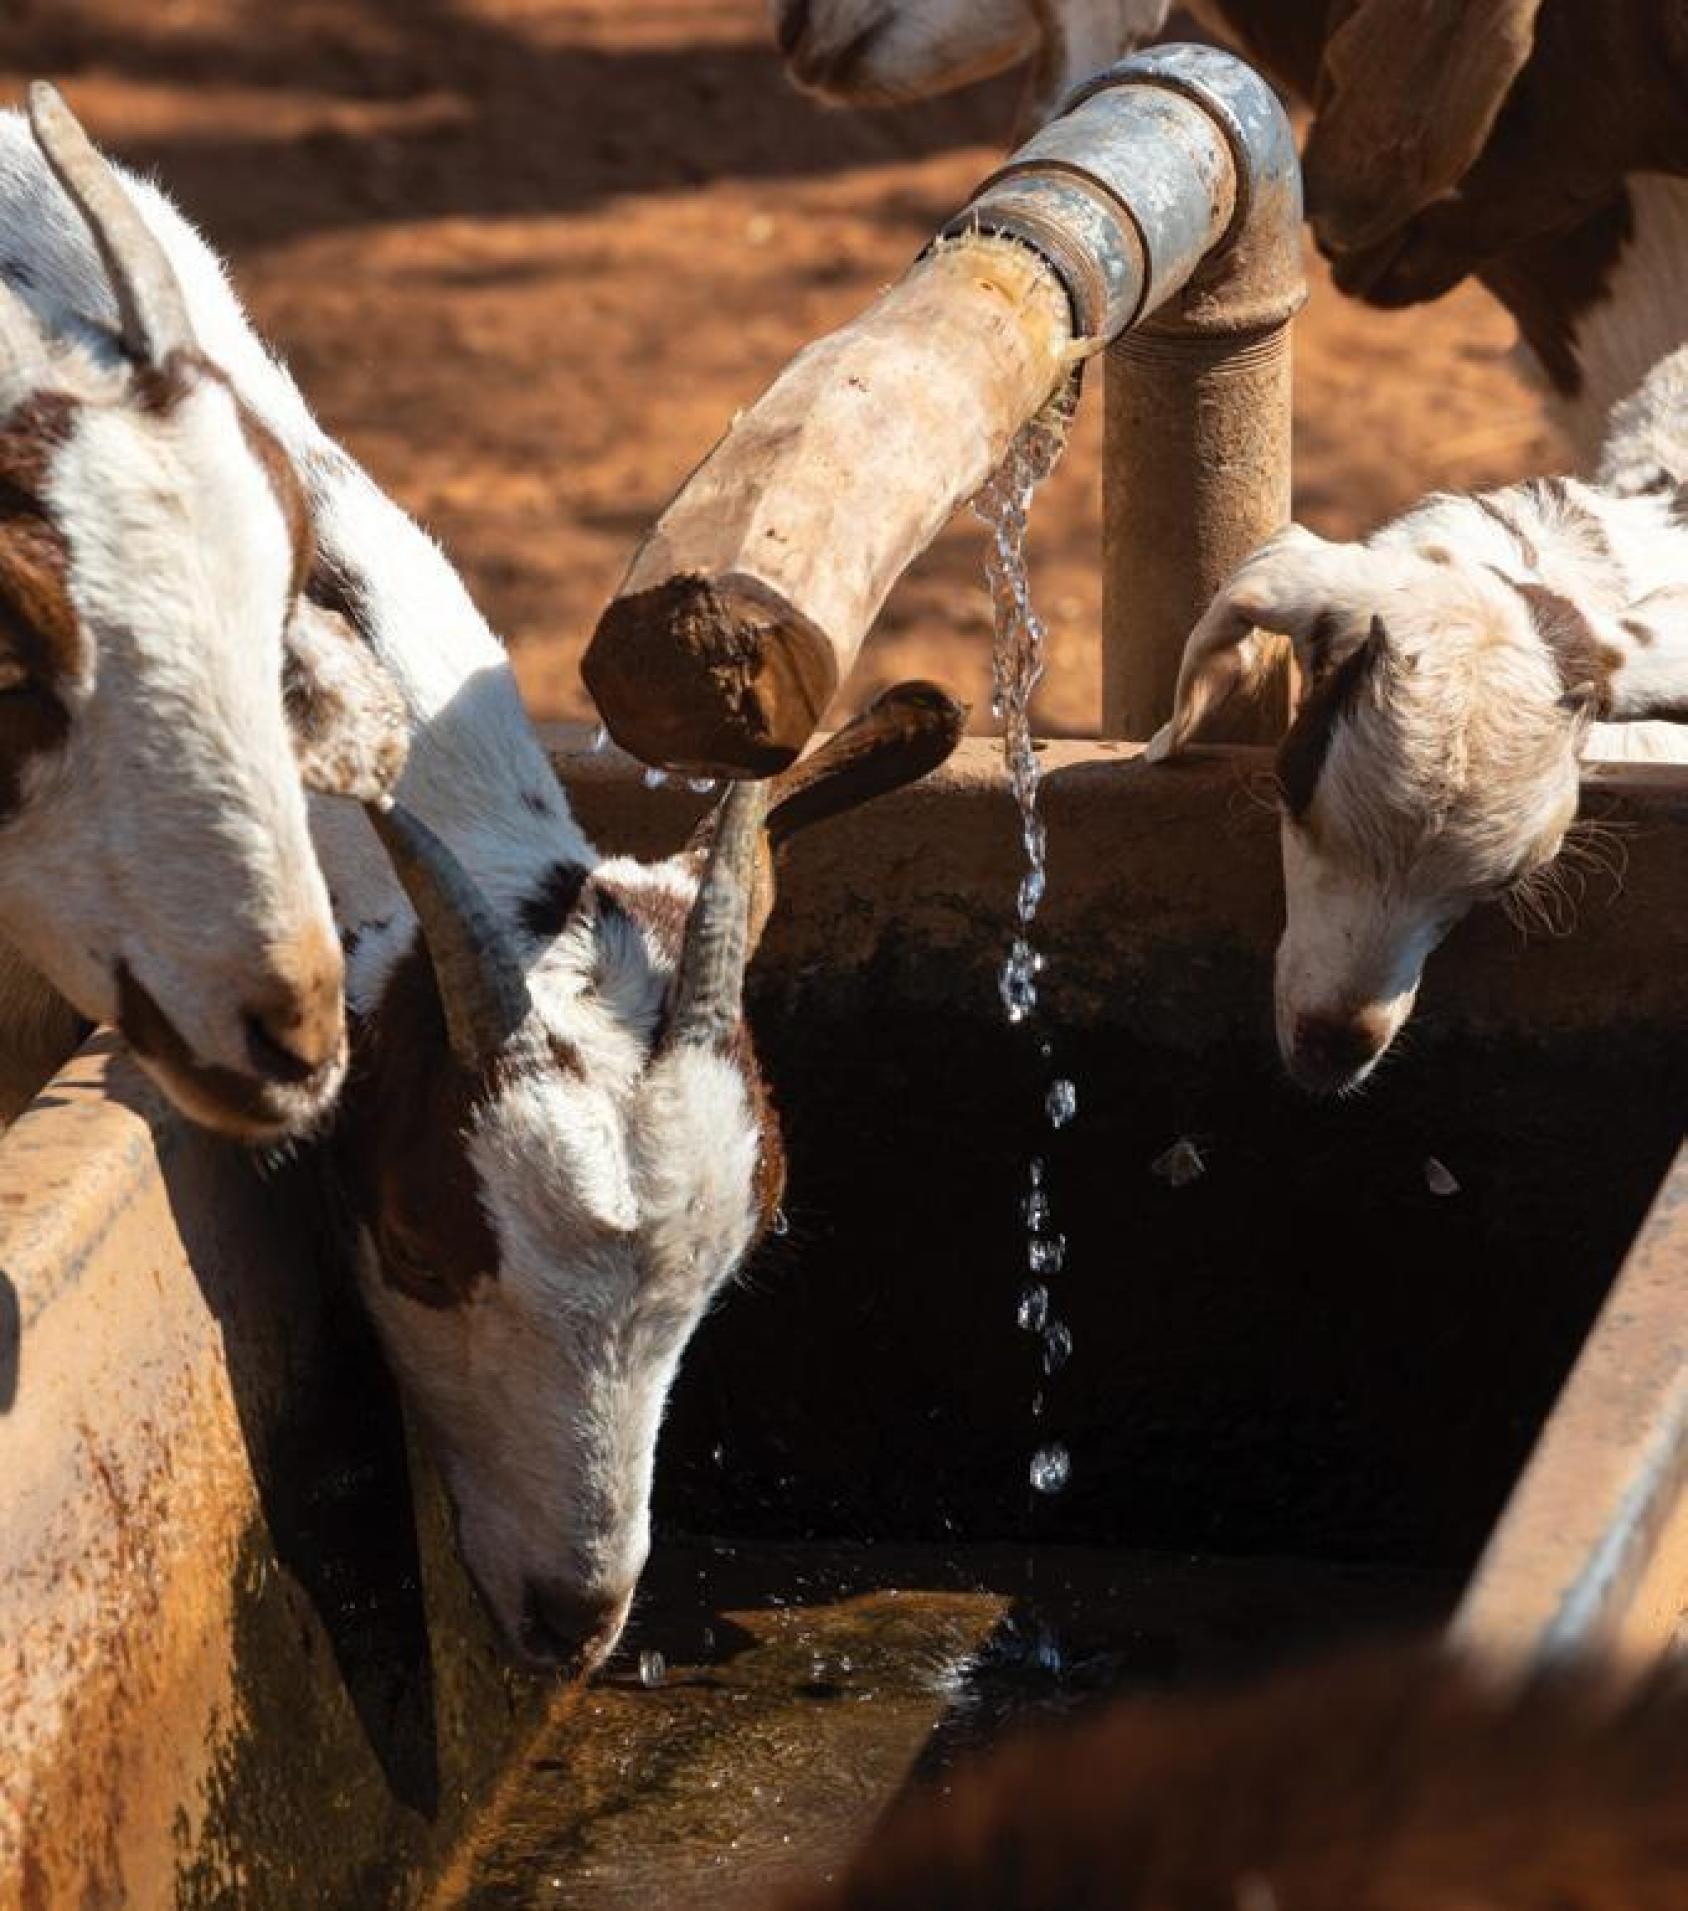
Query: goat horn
[152,313]
[709,986]
[483,990]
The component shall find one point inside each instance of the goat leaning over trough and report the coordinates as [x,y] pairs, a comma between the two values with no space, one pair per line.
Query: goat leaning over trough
[1541,148]
[155,864]
[554,1140]
[1454,665]
[1396,1779]
[557,1142]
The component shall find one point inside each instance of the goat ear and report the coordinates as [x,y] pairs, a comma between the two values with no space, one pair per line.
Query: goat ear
[903,735]
[1375,156]
[349,725]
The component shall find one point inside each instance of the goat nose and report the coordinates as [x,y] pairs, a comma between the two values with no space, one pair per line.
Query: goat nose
[570,1627]
[1330,1050]
[295,1027]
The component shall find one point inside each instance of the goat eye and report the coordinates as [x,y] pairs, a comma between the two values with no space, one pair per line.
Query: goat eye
[409,1269]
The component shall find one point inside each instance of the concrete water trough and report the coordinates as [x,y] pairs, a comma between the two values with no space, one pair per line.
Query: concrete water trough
[1309,1394]
[1414,1358]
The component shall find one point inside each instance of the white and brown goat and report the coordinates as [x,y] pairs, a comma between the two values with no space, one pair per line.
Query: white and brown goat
[554,1139]
[156,869]
[559,1147]
[1542,148]
[1454,665]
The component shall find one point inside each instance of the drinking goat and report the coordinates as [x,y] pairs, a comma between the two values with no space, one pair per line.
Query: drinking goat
[1454,666]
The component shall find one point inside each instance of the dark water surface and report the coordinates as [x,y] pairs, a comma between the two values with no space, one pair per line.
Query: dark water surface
[804,1687]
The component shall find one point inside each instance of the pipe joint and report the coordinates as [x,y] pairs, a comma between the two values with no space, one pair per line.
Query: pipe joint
[1173,172]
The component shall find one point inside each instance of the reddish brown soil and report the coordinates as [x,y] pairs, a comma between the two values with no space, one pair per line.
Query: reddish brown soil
[528,256]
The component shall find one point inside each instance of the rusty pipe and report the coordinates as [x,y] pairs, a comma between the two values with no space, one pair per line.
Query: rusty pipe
[1167,186]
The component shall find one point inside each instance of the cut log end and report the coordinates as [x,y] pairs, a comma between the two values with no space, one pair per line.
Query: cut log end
[696,676]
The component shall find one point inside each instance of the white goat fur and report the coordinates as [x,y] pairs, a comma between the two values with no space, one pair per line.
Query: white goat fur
[1456,659]
[620,1195]
[175,779]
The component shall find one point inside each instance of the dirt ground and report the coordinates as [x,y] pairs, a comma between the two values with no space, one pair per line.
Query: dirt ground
[527,257]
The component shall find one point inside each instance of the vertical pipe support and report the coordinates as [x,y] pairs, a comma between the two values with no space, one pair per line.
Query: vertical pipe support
[1165,198]
[1197,426]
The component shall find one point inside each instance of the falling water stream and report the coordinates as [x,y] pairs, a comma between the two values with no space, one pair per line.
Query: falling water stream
[1017,666]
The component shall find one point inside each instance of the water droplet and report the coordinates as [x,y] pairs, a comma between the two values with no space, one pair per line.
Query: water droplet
[701,785]
[1037,1404]
[1438,1177]
[1061,1103]
[1031,894]
[655,778]
[1057,1346]
[1045,1652]
[1051,1468]
[1046,1254]
[600,739]
[779,1224]
[708,1640]
[1034,1308]
[1035,1208]
[1034,1171]
[653,1667]
[1181,1164]
[718,1453]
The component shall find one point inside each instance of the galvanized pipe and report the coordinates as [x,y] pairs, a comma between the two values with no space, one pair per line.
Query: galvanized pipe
[1197,300]
[1166,191]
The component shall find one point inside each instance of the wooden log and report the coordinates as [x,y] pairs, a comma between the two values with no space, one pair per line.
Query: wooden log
[751,597]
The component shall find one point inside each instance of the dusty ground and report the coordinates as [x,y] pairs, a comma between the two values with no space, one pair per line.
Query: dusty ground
[528,256]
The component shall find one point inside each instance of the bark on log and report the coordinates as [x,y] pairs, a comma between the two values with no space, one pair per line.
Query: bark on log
[744,609]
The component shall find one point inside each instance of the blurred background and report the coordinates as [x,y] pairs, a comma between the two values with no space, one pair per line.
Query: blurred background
[527,257]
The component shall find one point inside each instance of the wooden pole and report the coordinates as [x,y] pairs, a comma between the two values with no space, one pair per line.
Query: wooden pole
[745,607]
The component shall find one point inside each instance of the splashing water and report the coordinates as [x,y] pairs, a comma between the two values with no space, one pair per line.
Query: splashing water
[1017,665]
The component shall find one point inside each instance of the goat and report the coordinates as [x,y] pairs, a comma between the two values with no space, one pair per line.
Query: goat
[156,869]
[1455,664]
[1541,148]
[1395,1779]
[555,1145]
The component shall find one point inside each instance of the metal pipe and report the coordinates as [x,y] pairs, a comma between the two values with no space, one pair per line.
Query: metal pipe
[1167,186]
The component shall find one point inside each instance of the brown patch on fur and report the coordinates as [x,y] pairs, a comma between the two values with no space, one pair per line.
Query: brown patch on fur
[159,389]
[38,622]
[266,447]
[1436,554]
[1577,650]
[1638,633]
[1393,1780]
[1510,525]
[1301,755]
[334,586]
[401,1144]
